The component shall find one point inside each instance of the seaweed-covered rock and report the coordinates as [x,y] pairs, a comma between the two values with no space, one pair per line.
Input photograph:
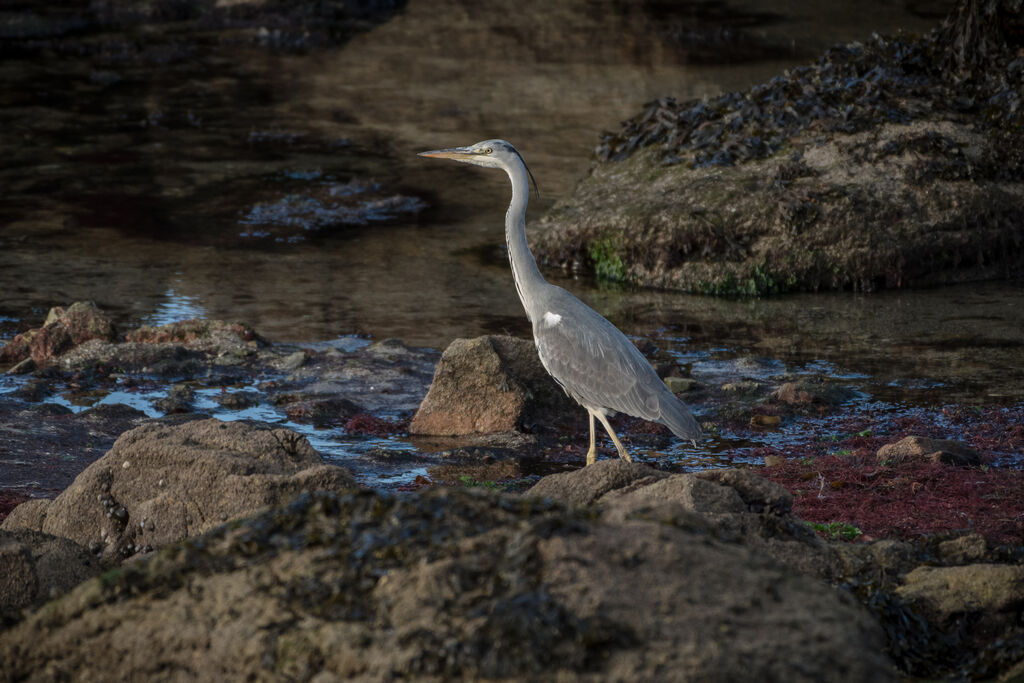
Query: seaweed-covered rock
[945,593]
[944,451]
[450,585]
[489,385]
[162,483]
[64,329]
[871,168]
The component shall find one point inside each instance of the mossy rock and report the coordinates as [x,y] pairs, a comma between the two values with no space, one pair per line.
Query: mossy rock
[808,182]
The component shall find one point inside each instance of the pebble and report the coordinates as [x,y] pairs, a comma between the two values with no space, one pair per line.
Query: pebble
[293,361]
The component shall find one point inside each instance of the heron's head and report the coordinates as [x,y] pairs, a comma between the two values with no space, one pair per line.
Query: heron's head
[490,153]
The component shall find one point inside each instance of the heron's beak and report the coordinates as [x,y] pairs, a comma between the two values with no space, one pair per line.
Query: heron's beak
[456,153]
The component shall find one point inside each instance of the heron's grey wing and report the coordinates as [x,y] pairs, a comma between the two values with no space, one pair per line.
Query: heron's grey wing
[598,365]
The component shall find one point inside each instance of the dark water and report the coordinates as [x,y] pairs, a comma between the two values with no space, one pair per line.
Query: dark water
[156,169]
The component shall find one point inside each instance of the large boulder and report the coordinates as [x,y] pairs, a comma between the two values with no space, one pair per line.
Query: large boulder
[161,483]
[450,585]
[874,167]
[489,385]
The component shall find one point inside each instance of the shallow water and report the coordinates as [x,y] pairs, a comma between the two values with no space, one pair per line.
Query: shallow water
[131,178]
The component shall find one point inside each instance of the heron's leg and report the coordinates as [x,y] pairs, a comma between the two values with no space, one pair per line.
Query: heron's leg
[618,444]
[592,453]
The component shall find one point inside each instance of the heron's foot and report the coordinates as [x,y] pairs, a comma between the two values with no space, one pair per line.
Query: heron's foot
[592,455]
[625,455]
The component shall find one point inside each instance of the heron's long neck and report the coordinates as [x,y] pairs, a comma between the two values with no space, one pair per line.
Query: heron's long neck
[529,281]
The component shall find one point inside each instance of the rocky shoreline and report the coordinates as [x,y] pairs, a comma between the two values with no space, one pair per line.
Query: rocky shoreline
[912,566]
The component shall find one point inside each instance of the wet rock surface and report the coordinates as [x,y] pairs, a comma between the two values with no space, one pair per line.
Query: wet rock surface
[189,370]
[873,168]
[488,586]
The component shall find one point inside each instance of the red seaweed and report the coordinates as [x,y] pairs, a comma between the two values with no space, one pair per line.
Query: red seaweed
[904,501]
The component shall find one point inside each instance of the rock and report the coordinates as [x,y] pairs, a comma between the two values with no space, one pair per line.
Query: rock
[732,504]
[765,421]
[162,483]
[36,567]
[759,494]
[238,400]
[28,515]
[112,411]
[679,385]
[450,585]
[293,361]
[18,349]
[488,385]
[164,360]
[811,391]
[33,391]
[63,330]
[83,321]
[211,336]
[693,494]
[323,412]
[969,548]
[788,393]
[745,386]
[1014,675]
[763,191]
[942,593]
[178,400]
[482,473]
[23,367]
[385,377]
[584,486]
[932,450]
[180,349]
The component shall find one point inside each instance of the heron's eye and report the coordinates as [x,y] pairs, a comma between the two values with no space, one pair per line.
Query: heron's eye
[488,150]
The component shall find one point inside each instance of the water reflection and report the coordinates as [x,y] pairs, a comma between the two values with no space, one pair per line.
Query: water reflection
[175,307]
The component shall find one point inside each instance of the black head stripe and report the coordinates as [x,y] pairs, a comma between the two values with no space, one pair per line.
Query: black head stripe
[528,171]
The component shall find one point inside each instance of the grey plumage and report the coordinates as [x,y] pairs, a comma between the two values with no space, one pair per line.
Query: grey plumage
[588,356]
[601,369]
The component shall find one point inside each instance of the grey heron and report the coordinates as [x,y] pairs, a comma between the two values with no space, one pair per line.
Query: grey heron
[588,356]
